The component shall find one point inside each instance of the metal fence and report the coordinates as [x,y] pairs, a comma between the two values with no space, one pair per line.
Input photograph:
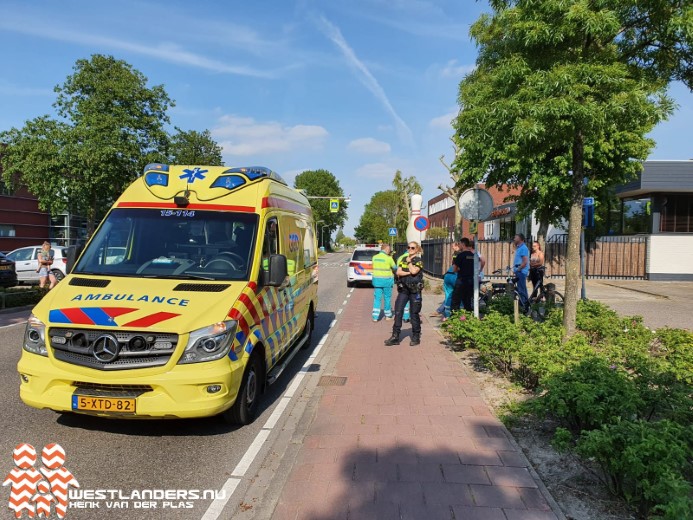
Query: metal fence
[607,257]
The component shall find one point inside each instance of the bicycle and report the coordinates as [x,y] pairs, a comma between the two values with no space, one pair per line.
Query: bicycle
[544,295]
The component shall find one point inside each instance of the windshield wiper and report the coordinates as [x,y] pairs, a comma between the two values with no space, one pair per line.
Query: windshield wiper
[179,277]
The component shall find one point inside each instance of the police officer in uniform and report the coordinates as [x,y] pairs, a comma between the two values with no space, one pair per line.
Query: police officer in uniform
[409,287]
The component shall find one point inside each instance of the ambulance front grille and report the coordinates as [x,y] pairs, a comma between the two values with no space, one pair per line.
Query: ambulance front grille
[124,349]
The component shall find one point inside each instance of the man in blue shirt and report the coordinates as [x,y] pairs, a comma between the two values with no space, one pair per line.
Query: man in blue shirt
[521,268]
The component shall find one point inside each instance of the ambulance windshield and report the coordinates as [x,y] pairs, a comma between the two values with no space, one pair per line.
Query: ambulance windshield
[172,243]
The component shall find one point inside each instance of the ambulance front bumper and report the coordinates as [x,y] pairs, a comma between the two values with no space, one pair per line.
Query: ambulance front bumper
[184,391]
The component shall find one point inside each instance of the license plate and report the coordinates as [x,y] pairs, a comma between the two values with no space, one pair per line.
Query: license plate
[103,404]
[5,267]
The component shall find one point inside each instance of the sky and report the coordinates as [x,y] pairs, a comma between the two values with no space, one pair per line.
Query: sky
[360,88]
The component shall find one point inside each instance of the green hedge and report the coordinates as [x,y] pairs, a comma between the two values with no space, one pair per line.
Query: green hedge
[621,392]
[14,297]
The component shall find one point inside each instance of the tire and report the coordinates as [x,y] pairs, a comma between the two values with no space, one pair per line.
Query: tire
[58,274]
[308,330]
[244,409]
[350,284]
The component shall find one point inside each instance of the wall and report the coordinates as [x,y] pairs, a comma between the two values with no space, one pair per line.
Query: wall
[670,257]
[30,224]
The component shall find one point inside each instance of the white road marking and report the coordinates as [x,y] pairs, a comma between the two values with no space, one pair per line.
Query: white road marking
[339,312]
[13,325]
[277,413]
[244,465]
[349,295]
[218,504]
[344,302]
[334,322]
[294,385]
[352,290]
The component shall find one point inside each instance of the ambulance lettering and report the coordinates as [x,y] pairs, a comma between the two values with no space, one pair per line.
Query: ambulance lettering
[131,297]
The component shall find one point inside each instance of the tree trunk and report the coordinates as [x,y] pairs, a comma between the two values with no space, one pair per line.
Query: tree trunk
[572,264]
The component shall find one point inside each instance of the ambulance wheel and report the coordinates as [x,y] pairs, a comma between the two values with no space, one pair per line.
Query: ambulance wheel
[244,409]
[308,330]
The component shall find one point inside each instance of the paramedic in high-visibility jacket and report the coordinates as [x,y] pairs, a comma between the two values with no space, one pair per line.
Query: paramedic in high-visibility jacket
[383,282]
[409,287]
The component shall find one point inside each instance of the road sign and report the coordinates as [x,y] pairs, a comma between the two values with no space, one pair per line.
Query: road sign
[588,201]
[473,227]
[334,205]
[476,204]
[421,223]
[392,232]
[588,216]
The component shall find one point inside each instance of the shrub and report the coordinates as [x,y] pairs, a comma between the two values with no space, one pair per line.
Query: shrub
[19,297]
[645,463]
[502,305]
[590,394]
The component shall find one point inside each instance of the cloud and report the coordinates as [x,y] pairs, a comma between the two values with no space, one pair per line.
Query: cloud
[10,89]
[164,51]
[369,145]
[364,75]
[453,69]
[377,170]
[444,121]
[243,136]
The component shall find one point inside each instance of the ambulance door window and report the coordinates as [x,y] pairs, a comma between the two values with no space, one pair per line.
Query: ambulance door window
[271,243]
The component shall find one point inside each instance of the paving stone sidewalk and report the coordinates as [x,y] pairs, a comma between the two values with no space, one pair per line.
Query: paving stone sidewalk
[407,437]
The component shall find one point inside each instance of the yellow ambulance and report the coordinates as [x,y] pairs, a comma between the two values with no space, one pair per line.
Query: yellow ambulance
[193,294]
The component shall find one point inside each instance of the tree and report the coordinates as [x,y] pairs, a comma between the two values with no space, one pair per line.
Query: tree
[437,232]
[552,106]
[378,216]
[110,126]
[193,147]
[405,187]
[339,236]
[348,242]
[322,183]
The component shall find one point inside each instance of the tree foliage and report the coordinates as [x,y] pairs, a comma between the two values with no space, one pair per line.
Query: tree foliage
[553,104]
[194,147]
[437,232]
[378,216]
[110,126]
[322,183]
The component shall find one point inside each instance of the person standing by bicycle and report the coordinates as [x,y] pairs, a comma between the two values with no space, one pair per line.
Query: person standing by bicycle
[536,265]
[521,268]
[449,281]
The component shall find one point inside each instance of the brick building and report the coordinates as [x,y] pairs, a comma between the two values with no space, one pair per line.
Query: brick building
[442,212]
[22,223]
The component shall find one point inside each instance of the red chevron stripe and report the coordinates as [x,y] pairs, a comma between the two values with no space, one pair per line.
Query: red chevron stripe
[249,305]
[77,316]
[114,312]
[152,319]
[234,314]
[253,286]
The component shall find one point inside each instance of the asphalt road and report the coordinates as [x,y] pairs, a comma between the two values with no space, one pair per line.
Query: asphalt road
[147,454]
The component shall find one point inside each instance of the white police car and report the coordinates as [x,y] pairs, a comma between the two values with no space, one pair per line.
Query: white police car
[361,264]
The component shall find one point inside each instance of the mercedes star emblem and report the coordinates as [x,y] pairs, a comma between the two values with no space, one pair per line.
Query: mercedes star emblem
[106,348]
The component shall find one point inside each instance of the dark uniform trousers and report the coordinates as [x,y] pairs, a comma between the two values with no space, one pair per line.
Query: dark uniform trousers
[463,294]
[405,296]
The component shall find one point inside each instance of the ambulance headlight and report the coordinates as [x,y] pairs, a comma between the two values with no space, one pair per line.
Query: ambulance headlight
[35,336]
[209,343]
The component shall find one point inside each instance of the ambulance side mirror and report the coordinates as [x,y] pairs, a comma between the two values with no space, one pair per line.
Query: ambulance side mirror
[73,253]
[277,271]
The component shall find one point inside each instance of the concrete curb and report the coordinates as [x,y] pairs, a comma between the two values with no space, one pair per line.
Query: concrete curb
[8,310]
[259,498]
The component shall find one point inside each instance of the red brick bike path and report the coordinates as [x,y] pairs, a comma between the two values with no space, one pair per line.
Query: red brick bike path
[407,437]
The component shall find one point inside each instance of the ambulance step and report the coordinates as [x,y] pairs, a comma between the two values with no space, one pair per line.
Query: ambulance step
[277,371]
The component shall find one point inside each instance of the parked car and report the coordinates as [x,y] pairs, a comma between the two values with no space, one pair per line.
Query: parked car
[361,264]
[8,274]
[26,263]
